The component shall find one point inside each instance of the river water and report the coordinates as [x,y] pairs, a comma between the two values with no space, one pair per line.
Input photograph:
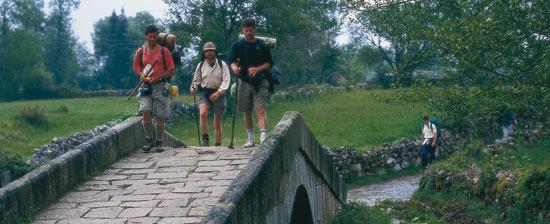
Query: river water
[397,189]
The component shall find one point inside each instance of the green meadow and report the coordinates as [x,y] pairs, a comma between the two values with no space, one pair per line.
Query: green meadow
[357,119]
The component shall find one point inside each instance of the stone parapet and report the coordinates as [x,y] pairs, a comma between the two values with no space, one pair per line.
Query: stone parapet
[46,183]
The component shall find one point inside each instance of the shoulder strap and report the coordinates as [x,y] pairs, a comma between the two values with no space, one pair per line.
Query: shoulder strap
[141,52]
[162,50]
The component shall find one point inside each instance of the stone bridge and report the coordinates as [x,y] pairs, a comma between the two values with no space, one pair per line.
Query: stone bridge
[288,179]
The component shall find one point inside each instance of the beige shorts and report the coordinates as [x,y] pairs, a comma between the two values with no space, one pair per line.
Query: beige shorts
[248,98]
[157,102]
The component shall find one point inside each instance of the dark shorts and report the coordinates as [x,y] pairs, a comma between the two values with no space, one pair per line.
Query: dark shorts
[217,106]
[249,98]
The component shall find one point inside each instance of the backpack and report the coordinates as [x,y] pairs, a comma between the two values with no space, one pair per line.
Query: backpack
[437,125]
[166,41]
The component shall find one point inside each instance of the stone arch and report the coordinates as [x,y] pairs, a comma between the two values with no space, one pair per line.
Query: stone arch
[301,208]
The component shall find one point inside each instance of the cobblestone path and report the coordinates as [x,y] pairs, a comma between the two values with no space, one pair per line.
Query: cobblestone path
[178,185]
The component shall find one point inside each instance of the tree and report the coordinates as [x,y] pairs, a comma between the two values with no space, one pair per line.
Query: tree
[303,30]
[114,52]
[21,59]
[60,44]
[24,74]
[397,32]
[494,53]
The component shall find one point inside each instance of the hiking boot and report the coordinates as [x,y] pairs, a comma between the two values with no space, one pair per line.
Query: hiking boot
[249,143]
[262,138]
[205,143]
[158,146]
[147,144]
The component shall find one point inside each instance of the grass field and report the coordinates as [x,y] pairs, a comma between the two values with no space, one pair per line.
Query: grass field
[352,119]
[82,114]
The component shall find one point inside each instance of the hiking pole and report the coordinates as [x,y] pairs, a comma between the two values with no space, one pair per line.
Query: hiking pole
[234,113]
[147,72]
[197,116]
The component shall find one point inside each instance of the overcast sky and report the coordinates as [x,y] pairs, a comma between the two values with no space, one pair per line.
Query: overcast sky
[91,11]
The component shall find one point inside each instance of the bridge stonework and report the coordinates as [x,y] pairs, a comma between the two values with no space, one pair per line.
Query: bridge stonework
[290,180]
[287,179]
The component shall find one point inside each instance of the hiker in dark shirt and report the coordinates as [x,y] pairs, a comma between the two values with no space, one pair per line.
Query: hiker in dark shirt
[249,59]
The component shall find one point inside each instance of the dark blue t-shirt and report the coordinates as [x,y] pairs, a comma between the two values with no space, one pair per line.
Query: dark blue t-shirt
[256,54]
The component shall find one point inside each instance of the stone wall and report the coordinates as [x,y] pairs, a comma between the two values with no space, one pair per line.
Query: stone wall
[264,192]
[43,185]
[398,155]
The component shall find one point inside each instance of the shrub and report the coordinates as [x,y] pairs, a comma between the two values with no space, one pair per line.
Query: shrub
[14,164]
[355,213]
[63,109]
[33,115]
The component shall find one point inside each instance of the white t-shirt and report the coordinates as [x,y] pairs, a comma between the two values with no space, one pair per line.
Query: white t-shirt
[428,132]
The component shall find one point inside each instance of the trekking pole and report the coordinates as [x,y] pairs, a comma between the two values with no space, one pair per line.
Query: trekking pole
[234,113]
[197,117]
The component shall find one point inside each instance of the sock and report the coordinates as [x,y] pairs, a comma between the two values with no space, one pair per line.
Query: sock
[263,134]
[217,144]
[205,137]
[250,133]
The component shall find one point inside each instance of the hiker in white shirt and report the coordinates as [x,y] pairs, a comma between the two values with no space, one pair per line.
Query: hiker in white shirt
[211,81]
[429,132]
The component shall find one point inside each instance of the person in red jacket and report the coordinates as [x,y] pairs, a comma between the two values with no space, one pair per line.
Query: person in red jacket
[153,96]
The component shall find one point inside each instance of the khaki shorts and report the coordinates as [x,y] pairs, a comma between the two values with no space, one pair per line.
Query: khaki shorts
[249,99]
[217,106]
[157,101]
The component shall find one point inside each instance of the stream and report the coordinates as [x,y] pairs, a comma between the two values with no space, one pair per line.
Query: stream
[400,188]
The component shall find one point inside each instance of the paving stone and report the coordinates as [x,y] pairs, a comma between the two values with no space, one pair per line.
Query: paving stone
[239,161]
[169,212]
[143,220]
[61,213]
[176,169]
[199,211]
[134,182]
[63,205]
[92,221]
[205,169]
[137,177]
[189,189]
[174,203]
[184,220]
[83,198]
[176,162]
[110,177]
[138,171]
[133,197]
[202,175]
[152,191]
[208,158]
[132,165]
[167,175]
[135,212]
[96,182]
[115,192]
[141,204]
[168,196]
[100,204]
[175,186]
[96,187]
[204,201]
[172,181]
[214,163]
[45,221]
[226,175]
[105,212]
